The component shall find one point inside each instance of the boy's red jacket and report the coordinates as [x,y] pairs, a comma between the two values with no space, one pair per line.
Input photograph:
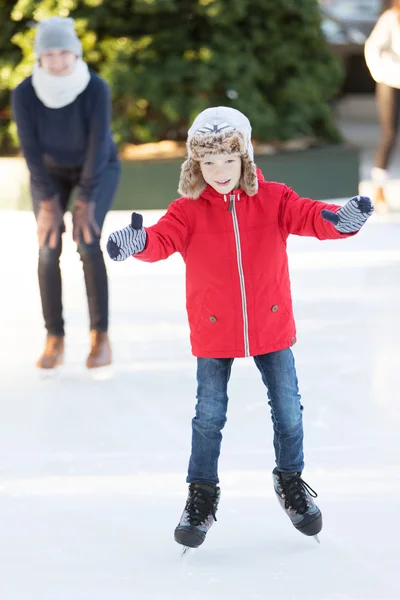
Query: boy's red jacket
[238,295]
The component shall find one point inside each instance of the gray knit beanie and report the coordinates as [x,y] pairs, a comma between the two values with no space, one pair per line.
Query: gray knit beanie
[57,33]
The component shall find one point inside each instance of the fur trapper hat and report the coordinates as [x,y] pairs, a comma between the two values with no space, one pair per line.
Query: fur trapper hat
[219,130]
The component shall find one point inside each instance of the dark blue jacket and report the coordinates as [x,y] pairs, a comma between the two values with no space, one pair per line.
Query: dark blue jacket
[77,135]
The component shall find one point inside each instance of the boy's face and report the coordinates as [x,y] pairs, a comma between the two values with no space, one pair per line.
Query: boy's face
[222,171]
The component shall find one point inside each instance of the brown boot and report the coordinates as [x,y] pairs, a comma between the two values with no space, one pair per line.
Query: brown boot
[100,350]
[53,355]
[380,202]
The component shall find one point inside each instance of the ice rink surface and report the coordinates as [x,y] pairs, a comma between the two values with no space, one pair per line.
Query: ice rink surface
[92,469]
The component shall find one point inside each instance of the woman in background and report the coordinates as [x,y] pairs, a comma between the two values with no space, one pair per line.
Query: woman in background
[382,55]
[63,113]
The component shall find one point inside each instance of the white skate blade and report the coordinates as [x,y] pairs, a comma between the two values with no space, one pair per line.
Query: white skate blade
[48,374]
[102,373]
[317,539]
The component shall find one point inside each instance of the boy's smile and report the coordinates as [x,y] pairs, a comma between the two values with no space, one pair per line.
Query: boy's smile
[222,171]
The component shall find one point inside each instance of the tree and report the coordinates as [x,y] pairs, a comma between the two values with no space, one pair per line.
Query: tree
[9,59]
[166,60]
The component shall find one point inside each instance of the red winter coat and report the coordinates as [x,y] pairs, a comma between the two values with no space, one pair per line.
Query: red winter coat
[238,296]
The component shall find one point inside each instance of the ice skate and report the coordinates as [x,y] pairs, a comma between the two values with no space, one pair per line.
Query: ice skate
[296,498]
[53,354]
[198,515]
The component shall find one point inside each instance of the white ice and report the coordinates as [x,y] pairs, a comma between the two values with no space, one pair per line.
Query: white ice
[92,470]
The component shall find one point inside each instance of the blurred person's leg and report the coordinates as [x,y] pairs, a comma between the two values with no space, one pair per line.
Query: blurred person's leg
[388,107]
[95,272]
[50,286]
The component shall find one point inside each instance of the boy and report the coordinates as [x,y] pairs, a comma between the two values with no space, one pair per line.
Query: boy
[231,226]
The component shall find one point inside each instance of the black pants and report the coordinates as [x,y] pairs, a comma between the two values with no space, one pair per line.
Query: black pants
[94,268]
[388,105]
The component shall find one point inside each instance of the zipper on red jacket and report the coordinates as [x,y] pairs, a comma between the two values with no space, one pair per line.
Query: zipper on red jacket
[232,209]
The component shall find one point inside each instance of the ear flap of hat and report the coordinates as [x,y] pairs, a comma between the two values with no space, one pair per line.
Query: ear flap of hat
[191,181]
[249,181]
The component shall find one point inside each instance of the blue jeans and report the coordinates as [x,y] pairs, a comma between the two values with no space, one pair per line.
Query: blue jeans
[278,373]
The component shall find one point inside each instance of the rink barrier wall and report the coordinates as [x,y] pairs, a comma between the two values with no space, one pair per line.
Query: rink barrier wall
[319,173]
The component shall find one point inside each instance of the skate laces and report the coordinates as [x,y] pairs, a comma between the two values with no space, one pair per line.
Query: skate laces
[200,505]
[295,490]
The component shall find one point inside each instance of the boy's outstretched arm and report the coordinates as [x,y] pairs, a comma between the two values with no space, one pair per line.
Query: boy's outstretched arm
[170,234]
[302,216]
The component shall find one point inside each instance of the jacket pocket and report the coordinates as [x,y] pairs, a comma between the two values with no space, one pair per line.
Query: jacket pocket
[202,312]
[282,299]
[215,327]
[195,310]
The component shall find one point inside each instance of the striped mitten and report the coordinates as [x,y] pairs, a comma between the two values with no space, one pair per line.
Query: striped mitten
[352,216]
[127,241]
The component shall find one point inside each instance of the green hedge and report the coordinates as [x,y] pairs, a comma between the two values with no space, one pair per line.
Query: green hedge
[166,60]
[320,173]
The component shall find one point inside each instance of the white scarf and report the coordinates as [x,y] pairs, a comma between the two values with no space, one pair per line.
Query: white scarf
[56,91]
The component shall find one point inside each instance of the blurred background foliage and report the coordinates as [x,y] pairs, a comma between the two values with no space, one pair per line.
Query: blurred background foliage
[166,60]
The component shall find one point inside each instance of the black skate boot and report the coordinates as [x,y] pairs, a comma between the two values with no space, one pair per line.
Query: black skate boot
[296,498]
[198,515]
